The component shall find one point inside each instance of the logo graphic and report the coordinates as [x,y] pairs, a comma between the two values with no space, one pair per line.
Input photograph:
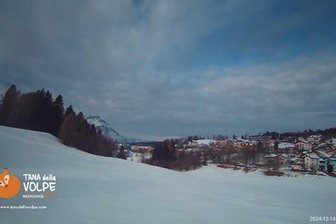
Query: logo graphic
[9,184]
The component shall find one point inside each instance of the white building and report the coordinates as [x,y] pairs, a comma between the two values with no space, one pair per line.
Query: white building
[316,160]
[202,142]
[302,144]
[314,139]
[286,147]
[311,161]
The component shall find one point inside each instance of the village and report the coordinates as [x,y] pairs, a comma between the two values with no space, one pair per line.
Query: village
[314,154]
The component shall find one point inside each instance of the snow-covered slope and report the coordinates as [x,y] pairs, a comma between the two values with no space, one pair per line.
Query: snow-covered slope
[92,189]
[106,129]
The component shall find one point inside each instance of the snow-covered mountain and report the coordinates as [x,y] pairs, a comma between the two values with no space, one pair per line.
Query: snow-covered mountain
[106,129]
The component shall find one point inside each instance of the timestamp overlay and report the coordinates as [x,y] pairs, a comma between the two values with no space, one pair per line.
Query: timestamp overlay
[322,219]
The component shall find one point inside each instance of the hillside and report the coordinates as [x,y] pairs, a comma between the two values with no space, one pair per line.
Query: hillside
[93,189]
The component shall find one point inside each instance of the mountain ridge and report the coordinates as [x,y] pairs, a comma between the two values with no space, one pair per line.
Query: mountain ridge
[106,129]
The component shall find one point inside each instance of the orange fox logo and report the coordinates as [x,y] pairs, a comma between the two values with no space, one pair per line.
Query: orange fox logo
[9,185]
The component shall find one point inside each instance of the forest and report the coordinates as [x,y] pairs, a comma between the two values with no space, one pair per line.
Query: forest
[38,111]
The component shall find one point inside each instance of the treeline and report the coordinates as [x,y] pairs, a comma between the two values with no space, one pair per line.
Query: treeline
[34,111]
[77,132]
[39,112]
[330,132]
[165,155]
[200,137]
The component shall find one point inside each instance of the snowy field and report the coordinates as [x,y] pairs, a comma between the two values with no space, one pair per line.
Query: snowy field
[91,189]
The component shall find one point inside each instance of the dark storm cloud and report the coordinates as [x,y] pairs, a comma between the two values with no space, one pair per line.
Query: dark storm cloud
[169,68]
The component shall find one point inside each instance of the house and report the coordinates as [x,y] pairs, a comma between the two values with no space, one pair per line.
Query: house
[193,144]
[271,159]
[286,147]
[297,167]
[314,139]
[293,160]
[302,144]
[311,161]
[324,147]
[220,143]
[142,149]
[332,142]
[332,162]
[275,159]
[202,142]
[328,164]
[317,160]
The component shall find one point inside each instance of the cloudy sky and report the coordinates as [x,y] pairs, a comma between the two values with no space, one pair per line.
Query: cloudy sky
[156,69]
